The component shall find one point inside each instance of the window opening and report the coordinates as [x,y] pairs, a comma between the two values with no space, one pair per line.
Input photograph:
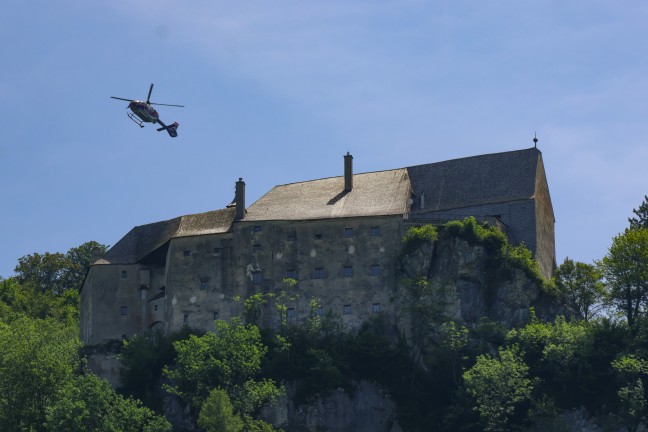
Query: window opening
[347,271]
[319,273]
[257,277]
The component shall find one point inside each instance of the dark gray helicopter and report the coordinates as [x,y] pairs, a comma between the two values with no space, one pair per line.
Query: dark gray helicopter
[143,112]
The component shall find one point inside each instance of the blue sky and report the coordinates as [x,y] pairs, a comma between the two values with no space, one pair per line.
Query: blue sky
[277,92]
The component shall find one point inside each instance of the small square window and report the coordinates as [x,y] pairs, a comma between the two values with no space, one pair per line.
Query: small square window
[257,278]
[348,232]
[291,237]
[375,270]
[123,310]
[318,236]
[204,284]
[155,307]
[318,273]
[185,318]
[257,247]
[291,314]
[257,228]
[217,251]
[347,271]
[375,308]
[319,311]
[346,309]
[291,273]
[186,253]
[374,231]
[124,274]
[215,315]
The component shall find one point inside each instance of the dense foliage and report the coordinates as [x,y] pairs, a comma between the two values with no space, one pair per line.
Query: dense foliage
[43,383]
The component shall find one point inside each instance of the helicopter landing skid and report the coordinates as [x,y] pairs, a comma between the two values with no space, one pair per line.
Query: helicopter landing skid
[135,119]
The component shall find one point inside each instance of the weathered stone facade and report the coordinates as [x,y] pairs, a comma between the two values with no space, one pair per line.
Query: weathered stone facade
[339,237]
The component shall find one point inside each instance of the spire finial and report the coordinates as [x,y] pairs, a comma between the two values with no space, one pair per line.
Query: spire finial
[535,140]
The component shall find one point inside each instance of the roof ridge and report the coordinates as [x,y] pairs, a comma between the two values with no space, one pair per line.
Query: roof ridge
[477,156]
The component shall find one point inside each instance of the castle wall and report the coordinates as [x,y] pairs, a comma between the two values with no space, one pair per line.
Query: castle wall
[111,306]
[546,254]
[347,264]
[200,287]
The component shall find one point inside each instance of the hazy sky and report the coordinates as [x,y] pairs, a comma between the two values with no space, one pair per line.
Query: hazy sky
[278,91]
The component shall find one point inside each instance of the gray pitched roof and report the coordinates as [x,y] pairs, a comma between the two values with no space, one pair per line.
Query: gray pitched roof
[373,194]
[457,183]
[144,239]
[476,180]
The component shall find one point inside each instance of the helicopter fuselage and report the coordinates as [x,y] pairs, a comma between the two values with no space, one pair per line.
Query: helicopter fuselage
[144,111]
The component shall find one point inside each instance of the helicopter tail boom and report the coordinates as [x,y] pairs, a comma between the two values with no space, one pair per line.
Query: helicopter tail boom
[172,129]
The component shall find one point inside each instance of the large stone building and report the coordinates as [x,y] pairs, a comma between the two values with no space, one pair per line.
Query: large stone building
[339,237]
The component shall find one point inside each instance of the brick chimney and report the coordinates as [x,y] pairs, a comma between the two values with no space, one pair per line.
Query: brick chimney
[239,199]
[348,172]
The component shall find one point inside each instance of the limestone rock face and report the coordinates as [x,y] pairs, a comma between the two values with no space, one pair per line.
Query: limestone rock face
[465,286]
[369,409]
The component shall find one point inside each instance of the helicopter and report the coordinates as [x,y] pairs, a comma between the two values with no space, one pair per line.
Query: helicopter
[143,112]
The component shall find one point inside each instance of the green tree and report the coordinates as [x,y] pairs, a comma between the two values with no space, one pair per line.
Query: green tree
[556,352]
[37,357]
[582,286]
[141,363]
[229,358]
[626,269]
[56,272]
[630,369]
[641,219]
[453,340]
[498,385]
[217,414]
[87,403]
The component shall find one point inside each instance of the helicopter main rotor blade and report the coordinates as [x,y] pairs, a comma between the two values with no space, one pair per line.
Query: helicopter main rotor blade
[148,98]
[181,106]
[127,100]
